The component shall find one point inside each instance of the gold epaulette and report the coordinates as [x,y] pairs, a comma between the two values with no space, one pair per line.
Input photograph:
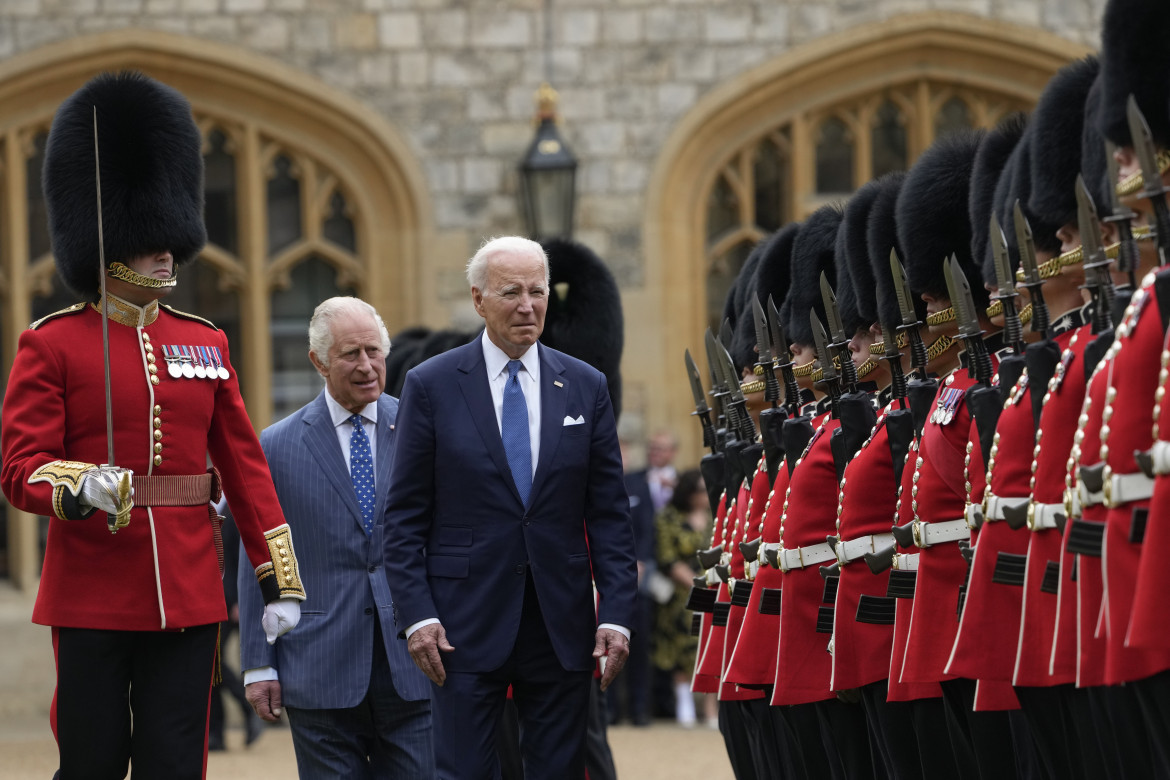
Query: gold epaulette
[186,316]
[67,310]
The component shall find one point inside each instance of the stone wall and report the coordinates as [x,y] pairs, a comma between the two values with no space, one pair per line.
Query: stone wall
[458,77]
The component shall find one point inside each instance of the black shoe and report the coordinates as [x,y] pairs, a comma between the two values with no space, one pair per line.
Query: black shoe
[642,720]
[215,743]
[253,728]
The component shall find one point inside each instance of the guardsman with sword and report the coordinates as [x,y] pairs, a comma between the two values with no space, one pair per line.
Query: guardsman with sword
[131,584]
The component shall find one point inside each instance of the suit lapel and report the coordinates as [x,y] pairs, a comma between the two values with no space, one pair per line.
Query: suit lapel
[385,453]
[554,393]
[478,395]
[320,438]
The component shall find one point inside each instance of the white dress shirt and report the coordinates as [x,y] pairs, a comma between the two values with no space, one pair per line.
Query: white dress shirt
[340,417]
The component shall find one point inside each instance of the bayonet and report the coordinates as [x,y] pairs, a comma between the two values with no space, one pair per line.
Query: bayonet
[702,411]
[1122,216]
[959,290]
[910,322]
[1097,279]
[839,346]
[746,428]
[784,354]
[1153,190]
[1032,281]
[764,353]
[1005,293]
[829,377]
[893,358]
[718,395]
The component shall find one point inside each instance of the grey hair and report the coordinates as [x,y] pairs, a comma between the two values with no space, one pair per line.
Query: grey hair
[477,266]
[321,325]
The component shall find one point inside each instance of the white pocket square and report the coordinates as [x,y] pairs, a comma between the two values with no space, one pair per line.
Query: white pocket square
[579,421]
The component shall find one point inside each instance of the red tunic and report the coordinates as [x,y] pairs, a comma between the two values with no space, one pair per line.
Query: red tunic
[1058,424]
[899,690]
[707,682]
[162,570]
[941,496]
[1129,416]
[868,502]
[747,525]
[753,661]
[803,665]
[985,646]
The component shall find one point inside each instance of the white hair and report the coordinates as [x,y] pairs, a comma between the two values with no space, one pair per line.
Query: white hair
[321,325]
[477,267]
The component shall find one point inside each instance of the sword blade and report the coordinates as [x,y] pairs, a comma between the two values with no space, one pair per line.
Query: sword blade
[97,173]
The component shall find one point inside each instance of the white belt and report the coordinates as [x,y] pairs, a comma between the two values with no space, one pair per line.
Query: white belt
[1123,488]
[972,516]
[1160,454]
[994,505]
[1086,498]
[857,548]
[1043,516]
[802,557]
[905,561]
[929,534]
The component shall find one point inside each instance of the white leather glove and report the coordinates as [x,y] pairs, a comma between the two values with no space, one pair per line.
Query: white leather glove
[280,617]
[103,489]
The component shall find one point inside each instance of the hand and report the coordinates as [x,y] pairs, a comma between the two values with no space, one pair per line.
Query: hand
[103,489]
[616,649]
[264,696]
[424,646]
[280,617]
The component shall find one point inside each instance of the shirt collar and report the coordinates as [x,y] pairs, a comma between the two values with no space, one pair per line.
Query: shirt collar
[496,360]
[339,414]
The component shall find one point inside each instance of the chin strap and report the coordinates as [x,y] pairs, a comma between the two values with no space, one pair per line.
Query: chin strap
[124,273]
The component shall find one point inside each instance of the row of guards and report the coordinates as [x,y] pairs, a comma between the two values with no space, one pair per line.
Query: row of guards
[938,460]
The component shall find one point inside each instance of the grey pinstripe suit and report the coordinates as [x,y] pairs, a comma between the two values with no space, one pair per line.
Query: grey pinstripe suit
[325,663]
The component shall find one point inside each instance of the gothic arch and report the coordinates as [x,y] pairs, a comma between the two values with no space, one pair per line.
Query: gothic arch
[962,51]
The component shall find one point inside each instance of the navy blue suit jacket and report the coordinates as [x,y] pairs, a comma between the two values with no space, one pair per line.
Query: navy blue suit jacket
[324,663]
[458,538]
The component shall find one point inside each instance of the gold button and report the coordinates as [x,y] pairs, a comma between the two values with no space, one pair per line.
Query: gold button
[157,409]
[158,446]
[284,560]
[153,369]
[146,337]
[148,346]
[287,570]
[153,379]
[158,460]
[149,357]
[157,422]
[158,435]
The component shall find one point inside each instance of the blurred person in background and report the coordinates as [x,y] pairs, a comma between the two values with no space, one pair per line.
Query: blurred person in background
[683,528]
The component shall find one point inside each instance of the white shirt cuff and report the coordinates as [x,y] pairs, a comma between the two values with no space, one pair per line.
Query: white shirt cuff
[260,674]
[620,629]
[415,627]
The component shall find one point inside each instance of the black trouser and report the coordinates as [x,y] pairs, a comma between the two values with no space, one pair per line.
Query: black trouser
[892,726]
[846,739]
[159,681]
[1152,694]
[230,683]
[986,735]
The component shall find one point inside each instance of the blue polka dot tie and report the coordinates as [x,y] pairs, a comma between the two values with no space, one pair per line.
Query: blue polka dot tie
[361,471]
[514,432]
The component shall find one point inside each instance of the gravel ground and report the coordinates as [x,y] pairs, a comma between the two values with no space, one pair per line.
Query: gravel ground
[26,684]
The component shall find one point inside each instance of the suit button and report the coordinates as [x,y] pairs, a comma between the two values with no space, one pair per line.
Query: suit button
[520,568]
[373,569]
[527,523]
[369,610]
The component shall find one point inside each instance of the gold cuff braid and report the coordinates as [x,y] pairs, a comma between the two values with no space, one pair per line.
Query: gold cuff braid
[63,473]
[281,575]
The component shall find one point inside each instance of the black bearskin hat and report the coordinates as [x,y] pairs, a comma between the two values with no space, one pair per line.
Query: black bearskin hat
[854,278]
[990,162]
[586,321]
[739,301]
[1043,229]
[812,253]
[151,175]
[774,273]
[881,237]
[1056,134]
[932,215]
[1135,60]
[1094,163]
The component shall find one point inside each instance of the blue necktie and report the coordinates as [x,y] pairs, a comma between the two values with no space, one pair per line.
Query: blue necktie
[361,471]
[514,431]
